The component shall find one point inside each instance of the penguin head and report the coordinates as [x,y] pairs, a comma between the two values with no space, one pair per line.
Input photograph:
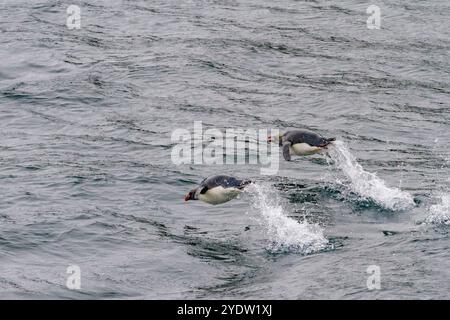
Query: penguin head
[192,195]
[276,138]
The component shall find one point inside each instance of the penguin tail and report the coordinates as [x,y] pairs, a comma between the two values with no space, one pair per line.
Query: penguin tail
[326,142]
[329,141]
[243,184]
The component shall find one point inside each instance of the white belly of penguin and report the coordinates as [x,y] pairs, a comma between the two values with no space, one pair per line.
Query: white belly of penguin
[219,195]
[303,149]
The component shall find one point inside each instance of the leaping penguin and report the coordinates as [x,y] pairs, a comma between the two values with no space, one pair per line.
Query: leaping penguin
[217,189]
[301,143]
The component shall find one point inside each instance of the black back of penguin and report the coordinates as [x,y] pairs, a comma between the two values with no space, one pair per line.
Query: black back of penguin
[305,136]
[223,181]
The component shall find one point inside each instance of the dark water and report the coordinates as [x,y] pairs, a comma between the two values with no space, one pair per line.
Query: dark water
[86,121]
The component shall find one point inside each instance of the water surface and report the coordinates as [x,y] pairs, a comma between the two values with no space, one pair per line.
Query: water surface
[86,177]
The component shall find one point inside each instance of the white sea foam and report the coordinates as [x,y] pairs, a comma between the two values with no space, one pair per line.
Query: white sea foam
[366,184]
[439,213]
[285,233]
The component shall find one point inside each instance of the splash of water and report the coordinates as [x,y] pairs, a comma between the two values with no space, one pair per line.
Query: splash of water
[286,234]
[440,212]
[366,184]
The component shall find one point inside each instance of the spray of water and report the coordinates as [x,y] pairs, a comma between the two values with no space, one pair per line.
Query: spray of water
[440,213]
[365,184]
[285,234]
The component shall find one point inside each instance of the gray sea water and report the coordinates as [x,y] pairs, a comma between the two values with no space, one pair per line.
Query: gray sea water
[86,177]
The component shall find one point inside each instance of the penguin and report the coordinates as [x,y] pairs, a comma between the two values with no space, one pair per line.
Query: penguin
[217,189]
[301,143]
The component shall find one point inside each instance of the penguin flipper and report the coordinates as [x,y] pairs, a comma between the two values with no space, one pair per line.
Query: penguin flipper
[286,151]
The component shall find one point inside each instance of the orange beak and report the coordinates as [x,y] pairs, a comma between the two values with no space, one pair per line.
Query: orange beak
[187,197]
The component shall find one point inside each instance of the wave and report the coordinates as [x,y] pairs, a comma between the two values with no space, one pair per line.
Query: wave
[285,233]
[439,213]
[366,184]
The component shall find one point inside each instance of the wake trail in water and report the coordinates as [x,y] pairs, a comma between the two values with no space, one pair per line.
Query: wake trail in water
[285,233]
[439,213]
[366,184]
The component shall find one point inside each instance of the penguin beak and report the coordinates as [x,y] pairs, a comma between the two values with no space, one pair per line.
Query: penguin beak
[190,195]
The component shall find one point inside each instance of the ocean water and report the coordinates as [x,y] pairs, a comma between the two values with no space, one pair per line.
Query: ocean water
[87,178]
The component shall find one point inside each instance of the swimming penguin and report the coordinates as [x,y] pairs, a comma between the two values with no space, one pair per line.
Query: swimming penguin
[217,189]
[301,143]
